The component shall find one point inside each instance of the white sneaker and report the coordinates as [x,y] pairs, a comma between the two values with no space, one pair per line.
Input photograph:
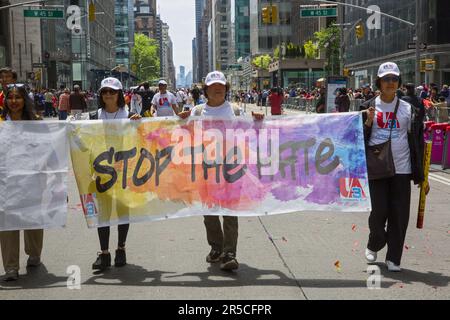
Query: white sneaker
[371,256]
[392,266]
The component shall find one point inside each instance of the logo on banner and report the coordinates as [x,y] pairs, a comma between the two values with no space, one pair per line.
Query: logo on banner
[352,189]
[89,205]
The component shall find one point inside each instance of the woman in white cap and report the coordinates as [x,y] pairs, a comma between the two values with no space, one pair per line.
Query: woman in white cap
[391,196]
[223,243]
[111,103]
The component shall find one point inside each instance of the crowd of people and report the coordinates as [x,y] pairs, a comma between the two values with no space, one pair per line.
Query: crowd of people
[390,196]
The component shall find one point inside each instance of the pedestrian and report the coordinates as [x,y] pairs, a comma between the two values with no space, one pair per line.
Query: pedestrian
[321,102]
[7,76]
[146,97]
[164,103]
[388,117]
[223,242]
[111,102]
[63,106]
[77,101]
[276,101]
[19,107]
[342,101]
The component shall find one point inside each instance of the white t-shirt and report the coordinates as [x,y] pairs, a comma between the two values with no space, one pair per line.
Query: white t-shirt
[120,114]
[163,103]
[384,113]
[224,111]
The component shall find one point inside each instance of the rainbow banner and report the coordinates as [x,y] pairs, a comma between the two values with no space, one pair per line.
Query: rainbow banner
[132,171]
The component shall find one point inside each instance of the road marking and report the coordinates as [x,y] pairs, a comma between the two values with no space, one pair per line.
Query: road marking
[438,178]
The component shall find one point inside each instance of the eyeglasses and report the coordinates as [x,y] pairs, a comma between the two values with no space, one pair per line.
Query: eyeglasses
[390,79]
[109,91]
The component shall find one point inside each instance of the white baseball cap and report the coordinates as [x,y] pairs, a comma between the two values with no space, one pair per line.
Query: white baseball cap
[112,83]
[162,82]
[215,77]
[388,68]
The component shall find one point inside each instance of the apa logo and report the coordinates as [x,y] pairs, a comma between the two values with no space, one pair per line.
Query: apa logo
[351,188]
[88,203]
[385,119]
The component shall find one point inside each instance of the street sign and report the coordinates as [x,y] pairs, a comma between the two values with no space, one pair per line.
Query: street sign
[318,12]
[39,65]
[412,45]
[47,14]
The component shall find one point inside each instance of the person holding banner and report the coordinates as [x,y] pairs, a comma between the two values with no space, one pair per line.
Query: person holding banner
[19,107]
[111,101]
[388,118]
[223,243]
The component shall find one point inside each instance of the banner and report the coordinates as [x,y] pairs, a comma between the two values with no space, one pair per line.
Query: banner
[131,171]
[33,175]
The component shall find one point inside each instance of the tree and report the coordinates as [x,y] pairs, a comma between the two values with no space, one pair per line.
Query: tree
[328,39]
[146,57]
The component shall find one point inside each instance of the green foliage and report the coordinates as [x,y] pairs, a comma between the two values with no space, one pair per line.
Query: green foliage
[262,62]
[311,50]
[146,57]
[292,51]
[329,40]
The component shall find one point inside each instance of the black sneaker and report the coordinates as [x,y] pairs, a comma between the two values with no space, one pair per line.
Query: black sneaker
[103,261]
[121,258]
[214,256]
[229,262]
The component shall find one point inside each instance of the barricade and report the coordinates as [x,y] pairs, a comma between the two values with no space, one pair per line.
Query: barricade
[446,154]
[437,136]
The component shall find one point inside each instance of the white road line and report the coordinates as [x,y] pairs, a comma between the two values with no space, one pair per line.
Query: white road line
[440,179]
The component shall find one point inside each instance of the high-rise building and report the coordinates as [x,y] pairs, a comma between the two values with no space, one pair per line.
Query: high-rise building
[145,18]
[124,33]
[4,35]
[390,42]
[242,28]
[223,46]
[195,60]
[199,11]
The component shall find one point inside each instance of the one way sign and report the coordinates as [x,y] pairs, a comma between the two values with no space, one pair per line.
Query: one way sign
[412,45]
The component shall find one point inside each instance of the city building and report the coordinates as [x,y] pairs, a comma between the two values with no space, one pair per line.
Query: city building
[393,40]
[124,36]
[92,54]
[145,18]
[242,28]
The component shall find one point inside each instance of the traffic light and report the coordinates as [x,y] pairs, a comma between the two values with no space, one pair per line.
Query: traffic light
[91,11]
[360,31]
[266,11]
[274,14]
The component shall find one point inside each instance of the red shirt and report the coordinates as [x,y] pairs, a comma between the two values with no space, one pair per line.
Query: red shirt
[2,99]
[276,101]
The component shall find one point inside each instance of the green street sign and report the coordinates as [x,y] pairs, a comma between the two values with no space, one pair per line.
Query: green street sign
[47,14]
[312,13]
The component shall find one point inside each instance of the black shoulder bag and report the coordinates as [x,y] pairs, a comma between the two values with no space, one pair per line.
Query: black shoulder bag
[380,162]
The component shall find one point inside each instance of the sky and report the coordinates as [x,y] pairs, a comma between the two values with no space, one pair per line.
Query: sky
[180,16]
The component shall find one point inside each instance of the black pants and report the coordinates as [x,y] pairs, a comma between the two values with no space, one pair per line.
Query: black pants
[103,235]
[390,203]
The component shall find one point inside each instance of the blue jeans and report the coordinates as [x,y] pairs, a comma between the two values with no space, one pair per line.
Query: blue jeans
[62,115]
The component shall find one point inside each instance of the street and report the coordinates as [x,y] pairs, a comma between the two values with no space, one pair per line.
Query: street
[300,256]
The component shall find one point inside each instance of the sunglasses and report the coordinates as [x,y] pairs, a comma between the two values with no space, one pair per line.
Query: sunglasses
[109,91]
[390,79]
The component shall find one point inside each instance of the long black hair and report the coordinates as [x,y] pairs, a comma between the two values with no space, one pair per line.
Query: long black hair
[120,101]
[28,108]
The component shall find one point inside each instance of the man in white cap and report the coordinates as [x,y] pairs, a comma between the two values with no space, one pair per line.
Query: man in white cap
[164,103]
[389,118]
[223,242]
